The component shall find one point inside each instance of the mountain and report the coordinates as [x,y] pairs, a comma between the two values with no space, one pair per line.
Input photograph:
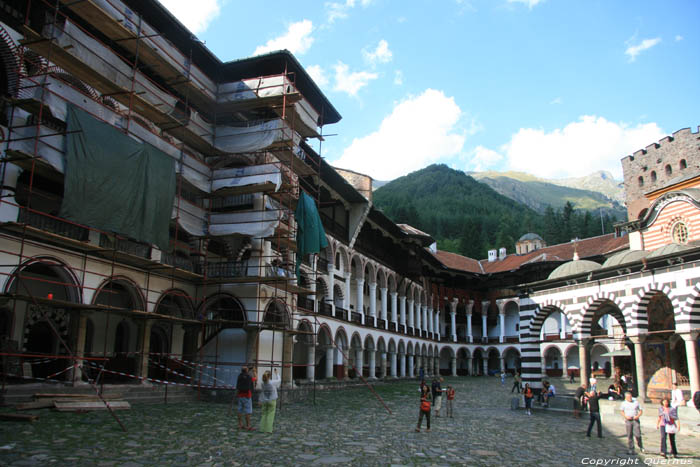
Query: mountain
[378,183]
[593,192]
[469,217]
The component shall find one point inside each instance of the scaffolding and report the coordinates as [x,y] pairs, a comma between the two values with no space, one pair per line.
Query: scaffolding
[242,163]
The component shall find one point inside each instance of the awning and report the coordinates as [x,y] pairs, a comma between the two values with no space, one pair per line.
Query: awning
[618,353]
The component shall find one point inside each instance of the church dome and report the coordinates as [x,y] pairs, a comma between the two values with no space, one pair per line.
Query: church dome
[624,257]
[572,268]
[529,236]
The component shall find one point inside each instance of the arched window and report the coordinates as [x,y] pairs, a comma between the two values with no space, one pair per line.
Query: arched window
[683,164]
[653,176]
[679,233]
[669,171]
[640,180]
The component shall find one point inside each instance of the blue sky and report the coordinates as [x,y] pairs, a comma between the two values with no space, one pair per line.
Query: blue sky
[557,88]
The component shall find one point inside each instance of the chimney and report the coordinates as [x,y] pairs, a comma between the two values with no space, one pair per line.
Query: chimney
[501,254]
[492,256]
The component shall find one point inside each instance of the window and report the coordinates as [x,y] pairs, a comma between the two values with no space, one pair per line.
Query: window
[679,233]
[683,164]
[668,170]
[641,180]
[653,176]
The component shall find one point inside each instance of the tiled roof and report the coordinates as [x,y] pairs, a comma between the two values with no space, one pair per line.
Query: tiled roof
[586,248]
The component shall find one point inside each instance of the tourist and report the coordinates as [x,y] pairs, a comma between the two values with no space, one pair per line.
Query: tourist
[517,383]
[437,395]
[571,376]
[503,378]
[528,395]
[424,408]
[677,398]
[668,424]
[614,393]
[578,400]
[450,401]
[631,411]
[268,400]
[593,384]
[549,394]
[244,393]
[594,412]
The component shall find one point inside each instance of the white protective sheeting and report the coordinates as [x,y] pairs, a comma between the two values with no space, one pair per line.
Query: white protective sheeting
[101,59]
[255,137]
[49,147]
[154,40]
[255,224]
[267,87]
[191,218]
[246,176]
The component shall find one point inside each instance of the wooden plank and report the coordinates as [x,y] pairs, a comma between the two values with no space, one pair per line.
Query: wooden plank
[80,406]
[41,404]
[76,396]
[18,417]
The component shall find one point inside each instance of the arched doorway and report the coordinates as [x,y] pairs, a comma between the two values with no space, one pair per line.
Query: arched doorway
[658,366]
[225,341]
[511,360]
[553,361]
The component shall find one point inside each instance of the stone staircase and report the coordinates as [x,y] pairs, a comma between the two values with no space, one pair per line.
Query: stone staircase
[134,393]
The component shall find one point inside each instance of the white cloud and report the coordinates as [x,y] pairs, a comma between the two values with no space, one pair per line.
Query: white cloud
[340,10]
[195,15]
[381,54]
[398,77]
[679,38]
[634,50]
[351,83]
[317,74]
[557,100]
[482,158]
[530,3]
[419,131]
[297,39]
[592,143]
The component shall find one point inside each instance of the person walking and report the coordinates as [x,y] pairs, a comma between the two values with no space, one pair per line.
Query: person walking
[268,399]
[517,382]
[578,400]
[528,396]
[631,411]
[677,398]
[244,394]
[594,411]
[668,424]
[503,378]
[450,401]
[424,408]
[437,395]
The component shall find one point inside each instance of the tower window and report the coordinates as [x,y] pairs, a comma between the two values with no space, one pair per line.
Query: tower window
[679,233]
[653,176]
[683,164]
[669,171]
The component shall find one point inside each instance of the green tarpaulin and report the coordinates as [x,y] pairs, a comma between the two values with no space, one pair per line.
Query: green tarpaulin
[115,183]
[311,238]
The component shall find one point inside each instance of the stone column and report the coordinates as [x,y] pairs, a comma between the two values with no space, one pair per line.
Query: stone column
[287,359]
[79,348]
[346,298]
[311,362]
[453,366]
[543,364]
[382,365]
[486,366]
[639,367]
[416,310]
[392,364]
[691,355]
[484,329]
[373,302]
[562,333]
[470,336]
[330,355]
[410,366]
[583,361]
[394,315]
[425,318]
[360,302]
[145,341]
[410,314]
[503,364]
[402,365]
[372,364]
[470,366]
[437,365]
[331,290]
[564,364]
[502,327]
[382,295]
[402,310]
[359,361]
[431,321]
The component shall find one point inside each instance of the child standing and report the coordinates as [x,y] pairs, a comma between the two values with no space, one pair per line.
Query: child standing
[424,408]
[450,401]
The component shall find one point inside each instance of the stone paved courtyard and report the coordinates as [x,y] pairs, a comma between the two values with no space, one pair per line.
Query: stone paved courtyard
[343,427]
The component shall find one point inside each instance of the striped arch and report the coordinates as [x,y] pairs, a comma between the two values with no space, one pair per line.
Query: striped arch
[690,313]
[371,270]
[595,304]
[381,277]
[324,336]
[541,313]
[639,314]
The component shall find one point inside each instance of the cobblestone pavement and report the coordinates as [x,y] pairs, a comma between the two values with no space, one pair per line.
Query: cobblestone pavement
[343,427]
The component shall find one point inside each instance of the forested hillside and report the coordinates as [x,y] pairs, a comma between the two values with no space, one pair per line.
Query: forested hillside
[468,217]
